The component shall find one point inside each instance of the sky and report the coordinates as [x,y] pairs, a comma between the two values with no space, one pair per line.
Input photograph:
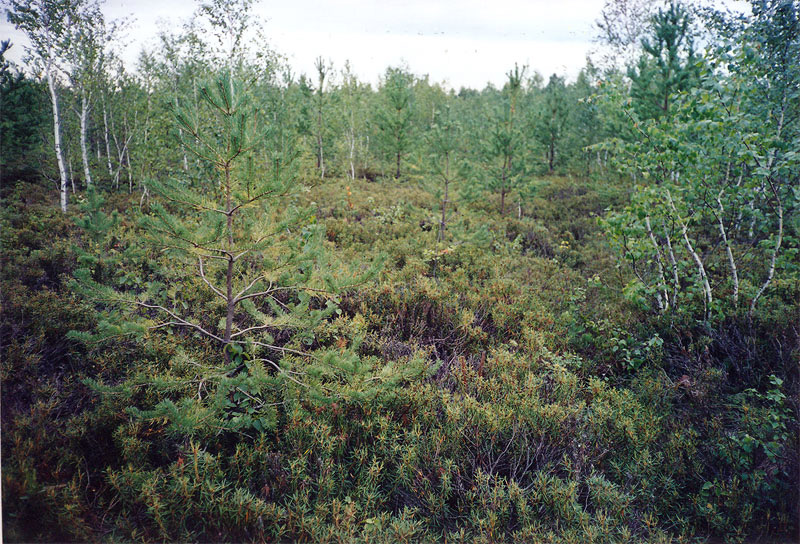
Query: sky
[456,42]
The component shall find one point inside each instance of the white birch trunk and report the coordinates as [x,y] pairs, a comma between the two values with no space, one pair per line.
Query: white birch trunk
[84,153]
[180,135]
[62,170]
[728,250]
[778,241]
[663,303]
[130,170]
[676,281]
[701,269]
[105,136]
[128,137]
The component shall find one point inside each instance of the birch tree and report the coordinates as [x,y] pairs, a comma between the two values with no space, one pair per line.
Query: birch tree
[90,37]
[719,175]
[45,22]
[354,98]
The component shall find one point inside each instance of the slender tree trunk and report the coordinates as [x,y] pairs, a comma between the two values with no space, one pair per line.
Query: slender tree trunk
[774,256]
[443,222]
[321,160]
[120,154]
[62,170]
[503,182]
[364,151]
[503,196]
[676,281]
[105,135]
[84,152]
[197,119]
[145,136]
[777,195]
[701,269]
[229,298]
[130,170]
[397,172]
[180,135]
[352,155]
[663,302]
[320,155]
[728,250]
[70,173]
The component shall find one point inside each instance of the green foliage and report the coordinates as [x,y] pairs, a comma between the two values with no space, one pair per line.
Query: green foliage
[551,120]
[504,146]
[667,65]
[428,409]
[394,118]
[236,353]
[716,180]
[24,116]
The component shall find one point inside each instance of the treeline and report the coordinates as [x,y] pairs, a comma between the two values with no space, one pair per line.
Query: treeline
[707,137]
[116,124]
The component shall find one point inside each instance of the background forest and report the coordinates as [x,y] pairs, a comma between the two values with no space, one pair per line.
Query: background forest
[240,304]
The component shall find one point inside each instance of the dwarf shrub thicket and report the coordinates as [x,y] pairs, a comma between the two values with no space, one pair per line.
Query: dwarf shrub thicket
[544,413]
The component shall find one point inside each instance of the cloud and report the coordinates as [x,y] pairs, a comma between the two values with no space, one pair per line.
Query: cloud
[464,42]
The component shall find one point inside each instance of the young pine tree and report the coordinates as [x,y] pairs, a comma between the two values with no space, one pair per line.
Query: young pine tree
[668,64]
[235,279]
[395,116]
[443,141]
[506,140]
[243,242]
[551,120]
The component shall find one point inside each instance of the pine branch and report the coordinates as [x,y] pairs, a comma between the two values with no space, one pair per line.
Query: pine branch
[203,276]
[178,320]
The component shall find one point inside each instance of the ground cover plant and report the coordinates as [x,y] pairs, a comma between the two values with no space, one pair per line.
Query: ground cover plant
[258,308]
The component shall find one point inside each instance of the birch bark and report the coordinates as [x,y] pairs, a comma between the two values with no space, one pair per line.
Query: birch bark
[84,122]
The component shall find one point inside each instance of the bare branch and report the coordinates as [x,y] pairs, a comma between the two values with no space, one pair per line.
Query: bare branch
[251,329]
[238,297]
[280,349]
[287,288]
[179,321]
[203,275]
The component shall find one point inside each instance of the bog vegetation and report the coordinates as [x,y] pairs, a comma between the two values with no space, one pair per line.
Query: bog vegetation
[242,305]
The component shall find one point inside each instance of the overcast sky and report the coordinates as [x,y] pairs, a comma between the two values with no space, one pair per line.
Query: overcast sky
[459,42]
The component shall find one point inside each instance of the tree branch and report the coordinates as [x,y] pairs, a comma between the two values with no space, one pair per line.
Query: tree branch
[203,275]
